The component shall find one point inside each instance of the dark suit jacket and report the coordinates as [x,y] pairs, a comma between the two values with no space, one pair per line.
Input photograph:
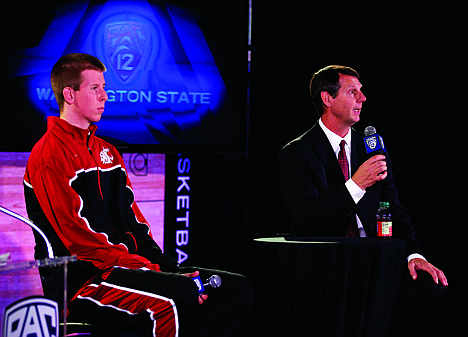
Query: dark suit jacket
[314,190]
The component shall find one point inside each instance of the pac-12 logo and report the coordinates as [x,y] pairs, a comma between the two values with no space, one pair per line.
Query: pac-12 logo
[32,316]
[371,142]
[126,43]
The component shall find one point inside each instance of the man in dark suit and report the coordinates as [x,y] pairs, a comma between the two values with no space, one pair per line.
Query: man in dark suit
[323,203]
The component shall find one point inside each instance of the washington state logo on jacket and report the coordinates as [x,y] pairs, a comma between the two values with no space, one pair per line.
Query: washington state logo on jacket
[106,158]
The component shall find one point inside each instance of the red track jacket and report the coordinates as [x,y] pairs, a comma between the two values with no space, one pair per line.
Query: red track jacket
[78,192]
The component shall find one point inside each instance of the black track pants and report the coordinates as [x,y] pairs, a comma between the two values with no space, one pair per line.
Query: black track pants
[164,304]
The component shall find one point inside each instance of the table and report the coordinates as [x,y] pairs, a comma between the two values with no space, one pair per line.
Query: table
[328,286]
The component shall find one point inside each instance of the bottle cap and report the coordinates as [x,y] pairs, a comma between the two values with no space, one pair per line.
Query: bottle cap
[384,204]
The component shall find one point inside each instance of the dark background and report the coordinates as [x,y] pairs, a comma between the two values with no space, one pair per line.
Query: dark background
[412,64]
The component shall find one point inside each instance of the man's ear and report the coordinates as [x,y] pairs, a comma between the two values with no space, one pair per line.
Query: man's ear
[326,98]
[68,95]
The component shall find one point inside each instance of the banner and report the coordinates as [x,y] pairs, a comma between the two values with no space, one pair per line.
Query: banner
[177,207]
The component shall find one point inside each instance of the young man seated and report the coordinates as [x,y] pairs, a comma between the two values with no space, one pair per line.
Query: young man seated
[78,192]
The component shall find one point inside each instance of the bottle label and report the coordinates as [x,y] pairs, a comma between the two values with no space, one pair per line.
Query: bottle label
[384,228]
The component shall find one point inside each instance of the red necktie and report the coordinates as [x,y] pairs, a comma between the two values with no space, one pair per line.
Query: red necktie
[343,161]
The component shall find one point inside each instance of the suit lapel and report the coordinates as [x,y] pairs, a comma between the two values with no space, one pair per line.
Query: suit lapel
[357,151]
[321,146]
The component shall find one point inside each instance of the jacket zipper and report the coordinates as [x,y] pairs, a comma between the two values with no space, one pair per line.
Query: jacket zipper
[97,164]
[87,144]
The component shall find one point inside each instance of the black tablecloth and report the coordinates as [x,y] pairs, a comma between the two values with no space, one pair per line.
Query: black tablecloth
[328,286]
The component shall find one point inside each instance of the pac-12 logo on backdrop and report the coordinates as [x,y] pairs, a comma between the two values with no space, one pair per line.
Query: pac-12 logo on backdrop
[128,42]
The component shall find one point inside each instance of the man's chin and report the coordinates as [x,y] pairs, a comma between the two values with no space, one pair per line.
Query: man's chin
[97,118]
[355,118]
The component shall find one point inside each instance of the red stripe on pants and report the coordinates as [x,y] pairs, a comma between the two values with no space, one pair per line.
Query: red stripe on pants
[162,310]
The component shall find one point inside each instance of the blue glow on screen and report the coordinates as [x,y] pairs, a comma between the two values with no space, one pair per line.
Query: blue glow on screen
[161,78]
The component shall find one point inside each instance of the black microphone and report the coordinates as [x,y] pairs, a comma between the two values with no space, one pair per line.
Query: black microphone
[373,142]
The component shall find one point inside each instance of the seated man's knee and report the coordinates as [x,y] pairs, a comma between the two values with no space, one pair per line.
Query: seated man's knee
[245,288]
[184,290]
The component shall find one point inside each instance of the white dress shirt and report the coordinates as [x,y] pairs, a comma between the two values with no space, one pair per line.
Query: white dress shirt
[356,192]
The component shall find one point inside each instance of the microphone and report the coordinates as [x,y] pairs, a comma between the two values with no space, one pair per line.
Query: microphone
[373,142]
[214,282]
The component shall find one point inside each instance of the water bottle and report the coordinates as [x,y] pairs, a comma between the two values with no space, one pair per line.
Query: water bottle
[384,221]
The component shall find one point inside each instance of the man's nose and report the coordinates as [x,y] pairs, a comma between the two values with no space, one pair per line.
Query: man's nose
[361,97]
[104,96]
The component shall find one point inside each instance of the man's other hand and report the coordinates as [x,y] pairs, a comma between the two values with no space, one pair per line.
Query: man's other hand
[419,264]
